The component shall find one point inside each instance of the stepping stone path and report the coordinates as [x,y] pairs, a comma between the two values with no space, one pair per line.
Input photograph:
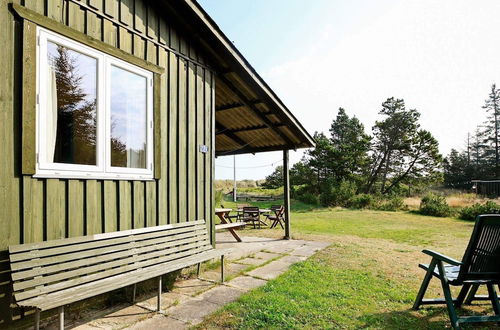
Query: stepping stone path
[250,265]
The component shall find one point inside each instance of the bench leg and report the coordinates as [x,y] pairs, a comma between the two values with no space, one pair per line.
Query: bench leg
[158,299]
[222,269]
[198,270]
[134,290]
[61,318]
[494,298]
[37,319]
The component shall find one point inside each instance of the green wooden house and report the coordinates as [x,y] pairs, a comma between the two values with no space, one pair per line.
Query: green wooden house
[112,113]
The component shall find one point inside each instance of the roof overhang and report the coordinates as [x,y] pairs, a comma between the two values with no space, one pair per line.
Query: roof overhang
[249,116]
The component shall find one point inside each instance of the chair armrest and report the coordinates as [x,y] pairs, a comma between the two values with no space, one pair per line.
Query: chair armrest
[442,257]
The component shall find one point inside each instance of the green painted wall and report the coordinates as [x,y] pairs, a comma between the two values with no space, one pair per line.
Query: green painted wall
[43,209]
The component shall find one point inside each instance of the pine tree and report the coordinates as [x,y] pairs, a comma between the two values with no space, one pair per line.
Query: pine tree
[491,133]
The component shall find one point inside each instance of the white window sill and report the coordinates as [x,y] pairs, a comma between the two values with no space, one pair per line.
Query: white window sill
[95,176]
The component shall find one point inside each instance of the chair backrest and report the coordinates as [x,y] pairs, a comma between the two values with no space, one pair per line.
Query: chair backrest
[252,211]
[279,212]
[481,260]
[275,207]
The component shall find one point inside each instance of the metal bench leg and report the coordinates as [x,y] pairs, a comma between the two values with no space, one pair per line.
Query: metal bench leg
[158,300]
[222,269]
[37,319]
[198,270]
[425,284]
[134,290]
[61,318]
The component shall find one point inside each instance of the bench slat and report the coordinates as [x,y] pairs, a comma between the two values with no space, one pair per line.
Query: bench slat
[90,238]
[47,279]
[95,288]
[101,243]
[104,254]
[193,249]
[123,255]
[230,225]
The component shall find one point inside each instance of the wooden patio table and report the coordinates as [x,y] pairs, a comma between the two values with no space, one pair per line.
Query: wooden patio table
[226,222]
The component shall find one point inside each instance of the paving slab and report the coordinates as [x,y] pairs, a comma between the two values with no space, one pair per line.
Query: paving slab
[266,256]
[251,261]
[305,251]
[119,319]
[160,322]
[291,259]
[221,295]
[271,270]
[192,287]
[193,311]
[168,299]
[246,282]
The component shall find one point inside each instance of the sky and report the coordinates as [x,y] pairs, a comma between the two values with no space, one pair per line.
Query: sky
[441,57]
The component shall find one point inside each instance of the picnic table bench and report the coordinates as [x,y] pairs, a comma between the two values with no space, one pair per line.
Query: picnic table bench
[226,223]
[55,273]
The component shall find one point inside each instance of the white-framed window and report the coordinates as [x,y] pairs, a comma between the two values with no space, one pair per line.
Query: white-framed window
[94,113]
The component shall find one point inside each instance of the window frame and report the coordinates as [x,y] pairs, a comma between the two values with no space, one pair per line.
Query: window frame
[103,168]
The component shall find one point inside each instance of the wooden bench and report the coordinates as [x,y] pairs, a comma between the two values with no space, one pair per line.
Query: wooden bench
[52,274]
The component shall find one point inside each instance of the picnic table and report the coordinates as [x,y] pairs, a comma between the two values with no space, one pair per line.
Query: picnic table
[226,222]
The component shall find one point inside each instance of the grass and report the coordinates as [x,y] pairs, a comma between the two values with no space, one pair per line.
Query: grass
[367,278]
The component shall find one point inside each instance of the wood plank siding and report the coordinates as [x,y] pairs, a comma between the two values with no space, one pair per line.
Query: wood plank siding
[32,209]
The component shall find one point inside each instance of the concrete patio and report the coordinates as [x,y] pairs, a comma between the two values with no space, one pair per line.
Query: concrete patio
[250,264]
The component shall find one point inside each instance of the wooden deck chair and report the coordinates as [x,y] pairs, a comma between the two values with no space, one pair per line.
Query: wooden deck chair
[480,266]
[240,213]
[277,218]
[251,214]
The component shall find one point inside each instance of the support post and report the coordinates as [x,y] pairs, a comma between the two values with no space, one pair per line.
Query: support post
[198,270]
[134,291]
[286,193]
[61,318]
[158,299]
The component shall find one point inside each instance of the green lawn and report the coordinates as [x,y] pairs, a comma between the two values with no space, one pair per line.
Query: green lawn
[367,278]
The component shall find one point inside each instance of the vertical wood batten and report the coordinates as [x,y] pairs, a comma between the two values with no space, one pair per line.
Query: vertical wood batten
[138,195]
[33,210]
[125,205]
[206,157]
[181,133]
[163,186]
[110,206]
[55,209]
[172,144]
[211,223]
[191,143]
[199,117]
[76,205]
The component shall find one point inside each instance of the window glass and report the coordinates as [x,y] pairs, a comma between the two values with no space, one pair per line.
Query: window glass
[128,118]
[71,106]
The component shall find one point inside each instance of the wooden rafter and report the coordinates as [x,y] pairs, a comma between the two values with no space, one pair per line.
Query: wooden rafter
[257,112]
[249,129]
[234,106]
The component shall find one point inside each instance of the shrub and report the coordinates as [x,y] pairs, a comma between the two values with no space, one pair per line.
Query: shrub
[471,212]
[308,198]
[338,194]
[218,197]
[435,205]
[395,203]
[361,201]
